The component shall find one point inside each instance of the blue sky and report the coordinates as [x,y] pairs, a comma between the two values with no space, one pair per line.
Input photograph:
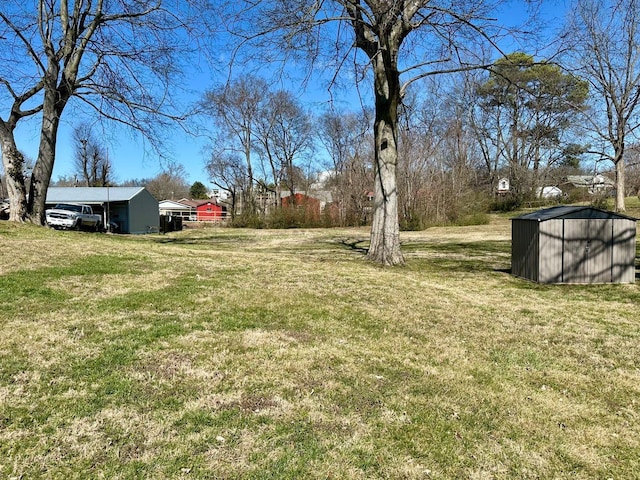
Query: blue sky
[132,158]
[131,155]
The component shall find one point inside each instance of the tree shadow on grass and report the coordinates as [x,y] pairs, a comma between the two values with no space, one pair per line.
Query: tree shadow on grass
[205,240]
[357,245]
[464,257]
[506,271]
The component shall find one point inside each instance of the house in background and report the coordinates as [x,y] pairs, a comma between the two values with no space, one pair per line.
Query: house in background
[132,209]
[322,197]
[218,194]
[503,186]
[177,208]
[548,192]
[210,211]
[592,184]
[193,210]
[312,202]
[300,201]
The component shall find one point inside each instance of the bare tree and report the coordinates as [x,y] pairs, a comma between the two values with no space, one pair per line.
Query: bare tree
[65,181]
[633,171]
[285,139]
[419,137]
[118,57]
[235,109]
[91,162]
[228,173]
[343,136]
[487,130]
[526,113]
[402,41]
[605,36]
[171,183]
[436,166]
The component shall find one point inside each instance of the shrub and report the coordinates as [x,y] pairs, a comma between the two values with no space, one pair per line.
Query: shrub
[475,218]
[508,203]
[413,222]
[246,220]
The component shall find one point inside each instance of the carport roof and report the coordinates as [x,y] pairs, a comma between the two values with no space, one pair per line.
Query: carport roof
[568,211]
[91,194]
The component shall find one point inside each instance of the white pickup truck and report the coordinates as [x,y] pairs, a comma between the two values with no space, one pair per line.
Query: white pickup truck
[69,215]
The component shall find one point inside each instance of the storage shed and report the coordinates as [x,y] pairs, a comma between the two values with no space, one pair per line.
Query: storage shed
[574,244]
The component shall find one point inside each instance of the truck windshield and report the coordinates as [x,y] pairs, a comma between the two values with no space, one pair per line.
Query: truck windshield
[71,208]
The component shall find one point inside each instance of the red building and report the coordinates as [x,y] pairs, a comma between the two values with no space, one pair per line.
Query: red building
[310,205]
[208,211]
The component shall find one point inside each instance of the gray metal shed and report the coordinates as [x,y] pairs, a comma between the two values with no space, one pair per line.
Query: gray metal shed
[133,209]
[569,244]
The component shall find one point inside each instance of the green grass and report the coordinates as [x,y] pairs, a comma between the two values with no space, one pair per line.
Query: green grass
[226,353]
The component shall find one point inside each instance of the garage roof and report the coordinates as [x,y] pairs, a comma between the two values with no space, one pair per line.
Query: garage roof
[91,194]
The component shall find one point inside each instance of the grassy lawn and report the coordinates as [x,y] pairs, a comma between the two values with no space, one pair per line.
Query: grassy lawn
[224,353]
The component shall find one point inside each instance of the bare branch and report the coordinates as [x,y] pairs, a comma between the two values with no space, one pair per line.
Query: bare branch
[27,44]
[469,68]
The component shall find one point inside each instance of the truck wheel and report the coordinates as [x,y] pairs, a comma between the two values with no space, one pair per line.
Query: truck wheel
[79,225]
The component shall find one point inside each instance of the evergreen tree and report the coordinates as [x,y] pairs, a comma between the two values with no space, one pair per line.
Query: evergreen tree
[198,191]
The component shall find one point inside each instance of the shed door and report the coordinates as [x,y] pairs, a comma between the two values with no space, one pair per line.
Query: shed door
[587,251]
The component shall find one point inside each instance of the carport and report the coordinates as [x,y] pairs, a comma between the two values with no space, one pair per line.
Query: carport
[132,209]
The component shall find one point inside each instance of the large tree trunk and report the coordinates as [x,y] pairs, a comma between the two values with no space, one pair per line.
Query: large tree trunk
[385,230]
[251,197]
[618,161]
[54,103]
[620,186]
[13,162]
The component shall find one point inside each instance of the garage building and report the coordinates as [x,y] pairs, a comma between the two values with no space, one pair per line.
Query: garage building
[132,209]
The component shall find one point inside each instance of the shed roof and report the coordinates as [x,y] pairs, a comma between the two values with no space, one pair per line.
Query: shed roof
[571,212]
[91,194]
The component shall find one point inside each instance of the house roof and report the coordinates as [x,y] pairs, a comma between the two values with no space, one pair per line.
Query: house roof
[91,194]
[321,195]
[174,204]
[548,191]
[590,181]
[571,212]
[211,201]
[196,203]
